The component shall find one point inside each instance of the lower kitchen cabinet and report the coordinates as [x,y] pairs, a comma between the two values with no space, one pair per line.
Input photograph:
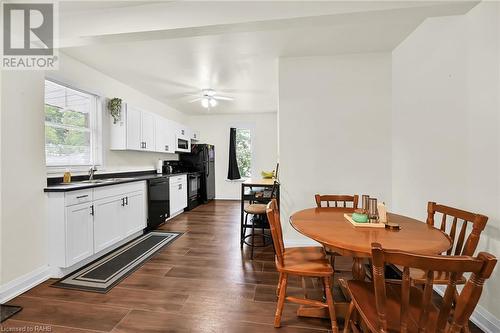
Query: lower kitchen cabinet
[178,193]
[134,212]
[108,217]
[84,224]
[79,233]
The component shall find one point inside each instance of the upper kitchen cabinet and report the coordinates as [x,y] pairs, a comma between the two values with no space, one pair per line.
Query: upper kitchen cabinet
[164,135]
[182,139]
[195,136]
[135,130]
[141,130]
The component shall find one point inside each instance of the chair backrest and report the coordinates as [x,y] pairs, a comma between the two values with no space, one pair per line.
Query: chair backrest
[481,268]
[273,217]
[460,243]
[336,201]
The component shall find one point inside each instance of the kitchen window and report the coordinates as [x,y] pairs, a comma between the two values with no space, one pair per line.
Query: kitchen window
[70,127]
[244,151]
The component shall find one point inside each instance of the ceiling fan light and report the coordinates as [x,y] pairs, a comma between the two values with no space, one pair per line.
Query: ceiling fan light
[209,92]
[213,102]
[204,102]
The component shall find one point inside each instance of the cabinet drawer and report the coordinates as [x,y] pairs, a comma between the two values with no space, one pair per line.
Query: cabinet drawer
[178,179]
[77,197]
[118,189]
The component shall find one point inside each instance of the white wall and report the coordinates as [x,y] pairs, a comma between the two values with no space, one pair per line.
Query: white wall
[334,129]
[214,129]
[23,249]
[446,122]
[81,76]
[23,177]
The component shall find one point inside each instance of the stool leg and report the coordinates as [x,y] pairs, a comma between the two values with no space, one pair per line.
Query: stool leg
[253,237]
[243,231]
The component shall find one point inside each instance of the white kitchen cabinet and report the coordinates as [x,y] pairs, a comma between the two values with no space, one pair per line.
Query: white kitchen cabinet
[133,125]
[135,131]
[195,135]
[164,135]
[134,212]
[178,193]
[144,131]
[85,223]
[148,131]
[79,233]
[108,217]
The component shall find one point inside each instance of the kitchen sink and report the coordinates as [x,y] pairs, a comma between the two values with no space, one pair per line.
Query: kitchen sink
[97,181]
[94,181]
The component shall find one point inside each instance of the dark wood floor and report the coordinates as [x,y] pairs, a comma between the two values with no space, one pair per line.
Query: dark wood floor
[200,283]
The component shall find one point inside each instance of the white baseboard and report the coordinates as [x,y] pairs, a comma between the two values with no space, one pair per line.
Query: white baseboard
[300,242]
[486,321]
[23,283]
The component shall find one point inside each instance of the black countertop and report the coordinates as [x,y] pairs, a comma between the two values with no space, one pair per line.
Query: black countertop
[56,185]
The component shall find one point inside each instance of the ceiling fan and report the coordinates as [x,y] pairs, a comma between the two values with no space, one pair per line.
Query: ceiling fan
[210,98]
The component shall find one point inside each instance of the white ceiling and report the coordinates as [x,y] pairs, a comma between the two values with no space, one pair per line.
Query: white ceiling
[173,50]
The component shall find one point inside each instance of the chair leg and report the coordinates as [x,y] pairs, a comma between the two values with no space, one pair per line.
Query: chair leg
[279,285]
[281,300]
[304,286]
[331,305]
[347,320]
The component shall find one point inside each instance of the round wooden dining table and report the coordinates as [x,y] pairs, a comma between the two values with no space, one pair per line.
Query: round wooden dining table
[330,228]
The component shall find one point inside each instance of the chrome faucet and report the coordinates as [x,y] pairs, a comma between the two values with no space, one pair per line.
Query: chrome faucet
[92,170]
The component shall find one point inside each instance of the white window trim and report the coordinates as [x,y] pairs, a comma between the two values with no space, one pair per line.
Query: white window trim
[96,137]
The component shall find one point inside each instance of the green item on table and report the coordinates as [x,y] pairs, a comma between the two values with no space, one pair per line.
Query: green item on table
[267,174]
[359,218]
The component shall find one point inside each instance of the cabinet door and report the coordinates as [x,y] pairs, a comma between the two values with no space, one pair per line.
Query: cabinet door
[134,140]
[159,134]
[174,198]
[79,233]
[108,216]
[169,136]
[134,218]
[183,194]
[148,131]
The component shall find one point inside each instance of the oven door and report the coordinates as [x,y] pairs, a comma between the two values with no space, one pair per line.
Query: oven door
[194,186]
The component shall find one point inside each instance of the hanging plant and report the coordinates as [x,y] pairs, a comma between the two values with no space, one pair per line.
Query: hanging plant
[115,109]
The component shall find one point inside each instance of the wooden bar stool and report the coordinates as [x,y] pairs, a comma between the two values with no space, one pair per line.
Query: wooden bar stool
[258,221]
[299,261]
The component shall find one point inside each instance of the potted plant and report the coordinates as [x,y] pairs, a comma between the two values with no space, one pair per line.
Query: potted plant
[115,109]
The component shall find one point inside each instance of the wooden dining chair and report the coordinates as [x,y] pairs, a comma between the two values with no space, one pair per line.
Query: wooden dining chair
[337,201]
[402,307]
[346,203]
[299,261]
[464,231]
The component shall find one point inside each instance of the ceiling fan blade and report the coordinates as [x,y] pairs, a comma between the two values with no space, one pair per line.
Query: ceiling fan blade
[224,98]
[196,100]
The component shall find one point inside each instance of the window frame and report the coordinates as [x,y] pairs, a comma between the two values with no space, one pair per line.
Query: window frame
[251,128]
[95,127]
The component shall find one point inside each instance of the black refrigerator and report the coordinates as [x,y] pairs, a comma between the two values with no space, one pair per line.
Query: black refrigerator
[202,158]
